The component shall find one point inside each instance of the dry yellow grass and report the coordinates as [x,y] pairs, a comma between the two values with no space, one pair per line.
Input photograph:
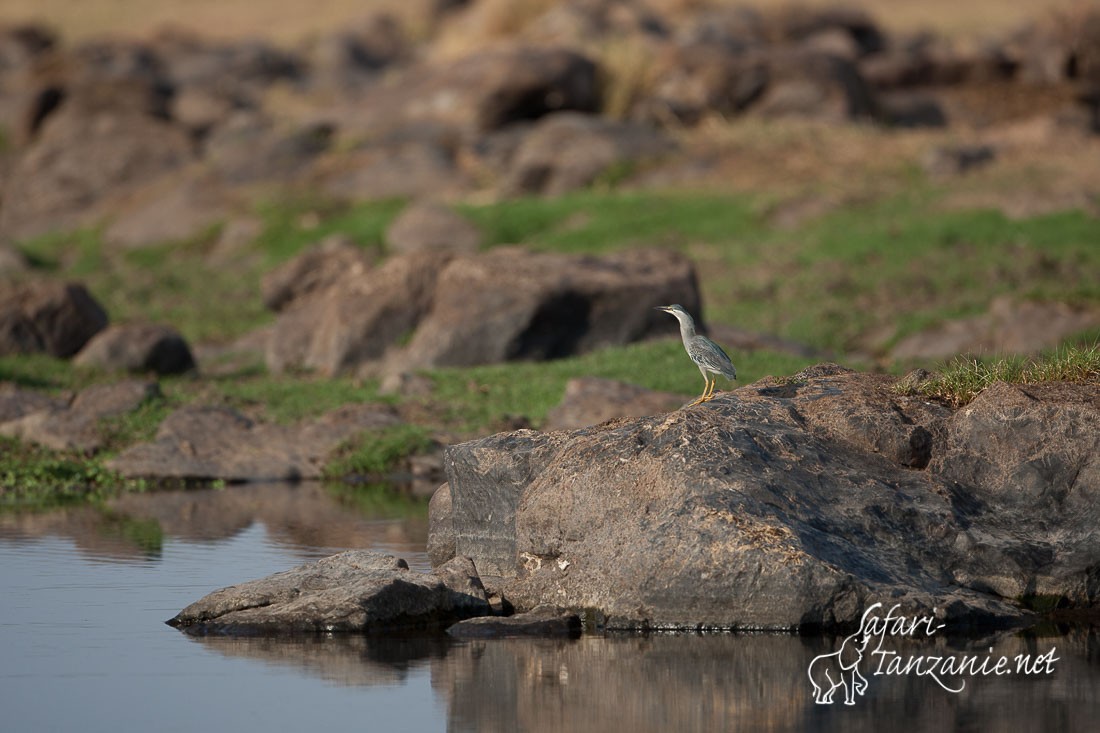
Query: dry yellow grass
[290,21]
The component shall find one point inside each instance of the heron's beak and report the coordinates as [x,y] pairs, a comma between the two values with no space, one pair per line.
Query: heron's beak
[661,308]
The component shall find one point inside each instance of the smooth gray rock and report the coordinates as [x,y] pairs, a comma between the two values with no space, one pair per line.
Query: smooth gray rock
[786,504]
[355,591]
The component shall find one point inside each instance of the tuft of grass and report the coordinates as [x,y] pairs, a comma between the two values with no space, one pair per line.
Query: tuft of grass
[960,381]
[377,453]
[626,74]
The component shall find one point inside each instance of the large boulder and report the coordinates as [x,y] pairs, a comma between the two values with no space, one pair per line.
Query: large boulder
[777,506]
[695,80]
[484,90]
[500,305]
[138,347]
[211,443]
[569,150]
[356,320]
[509,304]
[1026,460]
[108,140]
[51,317]
[313,271]
[355,591]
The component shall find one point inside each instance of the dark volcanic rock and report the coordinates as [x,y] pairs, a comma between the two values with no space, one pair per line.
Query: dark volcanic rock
[50,317]
[510,304]
[356,591]
[542,621]
[591,400]
[138,347]
[783,505]
[218,443]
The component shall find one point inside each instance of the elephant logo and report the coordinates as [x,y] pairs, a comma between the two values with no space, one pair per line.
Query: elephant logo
[829,672]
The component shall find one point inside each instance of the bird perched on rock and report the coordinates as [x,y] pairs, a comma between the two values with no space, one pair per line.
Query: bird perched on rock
[706,354]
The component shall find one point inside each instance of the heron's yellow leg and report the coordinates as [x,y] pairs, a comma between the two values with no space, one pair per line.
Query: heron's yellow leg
[708,392]
[702,397]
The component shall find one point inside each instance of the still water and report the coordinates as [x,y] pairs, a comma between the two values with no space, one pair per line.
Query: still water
[84,593]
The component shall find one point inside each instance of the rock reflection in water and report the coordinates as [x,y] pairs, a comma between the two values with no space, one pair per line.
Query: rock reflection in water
[352,660]
[307,518]
[696,683]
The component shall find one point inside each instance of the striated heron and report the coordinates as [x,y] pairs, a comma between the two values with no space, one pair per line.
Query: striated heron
[706,354]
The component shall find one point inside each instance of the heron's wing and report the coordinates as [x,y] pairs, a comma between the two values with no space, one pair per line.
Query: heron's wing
[710,355]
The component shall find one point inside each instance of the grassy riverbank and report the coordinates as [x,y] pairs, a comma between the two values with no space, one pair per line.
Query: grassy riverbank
[848,283]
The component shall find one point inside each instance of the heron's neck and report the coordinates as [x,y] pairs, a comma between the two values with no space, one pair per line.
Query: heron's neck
[687,329]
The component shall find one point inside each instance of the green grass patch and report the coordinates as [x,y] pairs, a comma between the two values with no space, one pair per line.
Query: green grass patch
[376,453]
[962,379]
[289,398]
[600,221]
[291,225]
[474,399]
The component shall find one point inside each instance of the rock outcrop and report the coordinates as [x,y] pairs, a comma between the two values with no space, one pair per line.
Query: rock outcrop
[354,591]
[138,347]
[435,309]
[509,304]
[70,425]
[48,317]
[791,504]
[208,443]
